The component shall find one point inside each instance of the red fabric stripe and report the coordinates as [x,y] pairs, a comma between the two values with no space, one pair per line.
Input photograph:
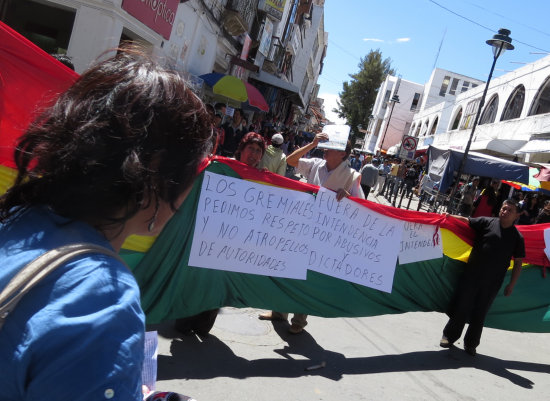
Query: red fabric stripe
[534,243]
[29,78]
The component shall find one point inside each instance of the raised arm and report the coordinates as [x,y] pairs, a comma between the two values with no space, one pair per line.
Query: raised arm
[293,158]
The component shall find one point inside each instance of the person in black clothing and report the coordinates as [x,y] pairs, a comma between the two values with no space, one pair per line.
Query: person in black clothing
[411,178]
[529,210]
[497,240]
[544,215]
[234,131]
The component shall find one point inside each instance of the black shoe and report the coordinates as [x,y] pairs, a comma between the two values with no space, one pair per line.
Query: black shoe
[470,351]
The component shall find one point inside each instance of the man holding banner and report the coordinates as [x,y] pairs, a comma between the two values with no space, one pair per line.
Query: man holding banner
[331,172]
[496,242]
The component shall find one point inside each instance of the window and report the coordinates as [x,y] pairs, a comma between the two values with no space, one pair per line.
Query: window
[452,91]
[470,113]
[490,113]
[417,133]
[415,101]
[465,86]
[386,99]
[424,130]
[514,105]
[541,104]
[377,128]
[457,119]
[47,26]
[444,86]
[407,128]
[412,129]
[434,126]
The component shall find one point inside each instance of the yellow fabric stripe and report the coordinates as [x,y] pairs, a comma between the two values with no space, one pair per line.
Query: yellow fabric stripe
[7,177]
[136,243]
[139,243]
[454,247]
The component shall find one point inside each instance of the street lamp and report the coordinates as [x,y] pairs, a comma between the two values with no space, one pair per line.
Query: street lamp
[393,101]
[500,43]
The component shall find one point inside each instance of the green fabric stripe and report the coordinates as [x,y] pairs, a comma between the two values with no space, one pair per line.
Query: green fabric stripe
[172,289]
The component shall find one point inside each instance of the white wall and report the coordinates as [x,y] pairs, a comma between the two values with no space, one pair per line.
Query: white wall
[97,28]
[193,44]
[532,77]
[392,129]
[432,88]
[304,55]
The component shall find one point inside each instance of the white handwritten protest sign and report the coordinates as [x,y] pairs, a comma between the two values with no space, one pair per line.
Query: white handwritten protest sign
[352,242]
[547,243]
[337,137]
[252,228]
[420,242]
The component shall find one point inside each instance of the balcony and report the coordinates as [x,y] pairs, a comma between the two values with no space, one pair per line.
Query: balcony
[293,44]
[239,15]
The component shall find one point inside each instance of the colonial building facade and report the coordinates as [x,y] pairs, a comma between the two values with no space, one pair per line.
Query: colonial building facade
[277,45]
[514,121]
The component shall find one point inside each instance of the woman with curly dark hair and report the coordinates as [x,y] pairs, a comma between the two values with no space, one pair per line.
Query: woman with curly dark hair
[116,155]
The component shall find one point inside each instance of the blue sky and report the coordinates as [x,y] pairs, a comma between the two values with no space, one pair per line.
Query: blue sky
[412,32]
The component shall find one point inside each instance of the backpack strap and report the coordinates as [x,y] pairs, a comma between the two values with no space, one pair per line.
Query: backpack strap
[36,270]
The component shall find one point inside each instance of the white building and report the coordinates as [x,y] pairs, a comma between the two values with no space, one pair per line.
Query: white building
[422,111]
[86,29]
[515,119]
[391,119]
[438,98]
[312,45]
[279,44]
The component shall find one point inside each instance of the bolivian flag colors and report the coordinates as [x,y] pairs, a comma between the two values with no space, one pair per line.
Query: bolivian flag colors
[171,288]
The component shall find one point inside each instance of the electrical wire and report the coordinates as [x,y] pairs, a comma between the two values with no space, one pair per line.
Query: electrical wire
[509,19]
[482,26]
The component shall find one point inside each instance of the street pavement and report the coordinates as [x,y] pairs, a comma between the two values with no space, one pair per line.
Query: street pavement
[389,357]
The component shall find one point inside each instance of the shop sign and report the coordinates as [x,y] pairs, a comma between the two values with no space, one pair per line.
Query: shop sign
[265,41]
[159,15]
[275,8]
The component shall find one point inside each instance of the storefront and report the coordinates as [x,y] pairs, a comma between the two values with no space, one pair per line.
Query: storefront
[47,25]
[85,31]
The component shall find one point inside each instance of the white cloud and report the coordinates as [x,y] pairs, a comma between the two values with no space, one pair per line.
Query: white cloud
[372,40]
[402,40]
[328,105]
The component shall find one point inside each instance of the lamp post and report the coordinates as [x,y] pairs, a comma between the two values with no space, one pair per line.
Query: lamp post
[393,101]
[500,43]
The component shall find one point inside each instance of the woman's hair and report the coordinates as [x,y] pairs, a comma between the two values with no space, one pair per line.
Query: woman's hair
[251,137]
[126,134]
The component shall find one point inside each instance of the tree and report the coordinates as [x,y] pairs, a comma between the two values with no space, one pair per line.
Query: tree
[358,96]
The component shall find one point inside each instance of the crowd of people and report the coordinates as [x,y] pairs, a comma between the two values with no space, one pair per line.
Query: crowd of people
[392,177]
[477,199]
[117,155]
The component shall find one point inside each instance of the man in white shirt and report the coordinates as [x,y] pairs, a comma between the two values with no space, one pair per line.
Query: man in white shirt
[331,172]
